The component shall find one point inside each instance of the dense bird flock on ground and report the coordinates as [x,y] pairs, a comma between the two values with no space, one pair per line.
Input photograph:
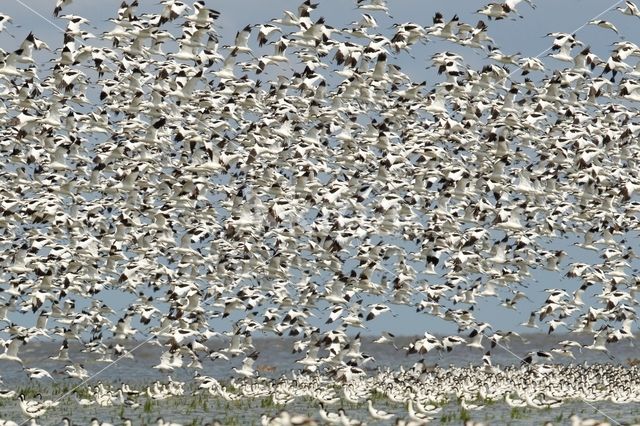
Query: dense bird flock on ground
[296,182]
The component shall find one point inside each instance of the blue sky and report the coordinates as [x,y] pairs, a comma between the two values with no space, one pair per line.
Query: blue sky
[526,36]
[519,35]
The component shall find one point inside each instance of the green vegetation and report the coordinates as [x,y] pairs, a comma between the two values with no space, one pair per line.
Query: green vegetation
[446,418]
[231,421]
[377,396]
[267,403]
[464,415]
[517,413]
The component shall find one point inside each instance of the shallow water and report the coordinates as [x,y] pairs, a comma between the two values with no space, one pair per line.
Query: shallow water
[276,355]
[199,410]
[276,359]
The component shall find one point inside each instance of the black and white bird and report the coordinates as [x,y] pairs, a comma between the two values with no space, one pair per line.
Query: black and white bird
[247,369]
[32,408]
[59,5]
[630,9]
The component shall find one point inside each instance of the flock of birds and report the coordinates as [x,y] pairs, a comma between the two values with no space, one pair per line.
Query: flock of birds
[297,182]
[422,390]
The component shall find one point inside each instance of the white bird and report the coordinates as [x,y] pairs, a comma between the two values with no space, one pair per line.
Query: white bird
[513,3]
[161,422]
[495,10]
[604,24]
[11,348]
[31,408]
[241,44]
[247,369]
[331,418]
[8,64]
[4,20]
[169,361]
[38,373]
[76,371]
[536,357]
[59,5]
[631,9]
[373,5]
[378,414]
[173,9]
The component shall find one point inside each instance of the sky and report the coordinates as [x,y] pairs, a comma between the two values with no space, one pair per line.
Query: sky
[525,36]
